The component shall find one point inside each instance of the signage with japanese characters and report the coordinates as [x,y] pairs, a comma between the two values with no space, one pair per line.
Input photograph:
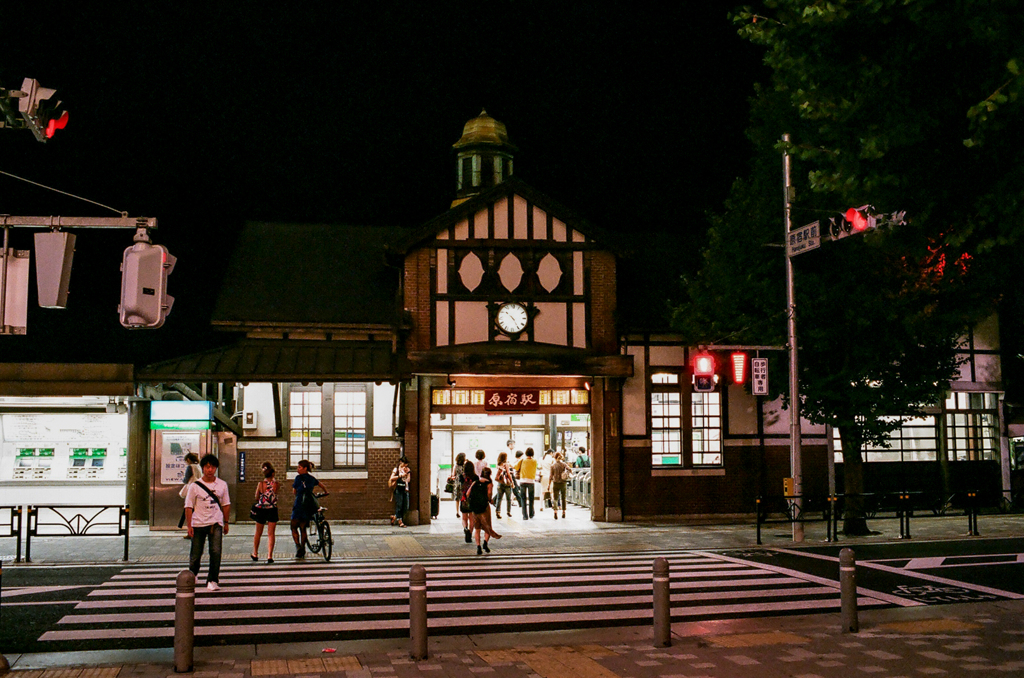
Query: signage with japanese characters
[759,376]
[511,399]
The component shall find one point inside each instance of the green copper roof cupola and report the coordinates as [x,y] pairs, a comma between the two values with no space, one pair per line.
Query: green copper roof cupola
[484,157]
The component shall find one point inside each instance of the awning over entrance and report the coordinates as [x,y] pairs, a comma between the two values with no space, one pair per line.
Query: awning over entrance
[255,360]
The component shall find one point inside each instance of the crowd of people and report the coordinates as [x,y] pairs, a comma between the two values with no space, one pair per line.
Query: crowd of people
[475,491]
[474,485]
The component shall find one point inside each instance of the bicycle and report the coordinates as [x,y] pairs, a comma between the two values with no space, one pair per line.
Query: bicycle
[324,542]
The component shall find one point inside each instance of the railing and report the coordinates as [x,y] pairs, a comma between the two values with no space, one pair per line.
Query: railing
[10,526]
[901,505]
[76,521]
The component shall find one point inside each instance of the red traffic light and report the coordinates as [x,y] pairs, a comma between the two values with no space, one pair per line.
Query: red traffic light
[55,124]
[703,365]
[858,219]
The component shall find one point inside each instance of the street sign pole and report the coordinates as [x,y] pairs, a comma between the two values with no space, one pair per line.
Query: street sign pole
[794,382]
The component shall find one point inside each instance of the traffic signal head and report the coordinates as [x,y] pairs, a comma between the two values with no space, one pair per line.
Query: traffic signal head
[704,377]
[851,222]
[144,299]
[43,115]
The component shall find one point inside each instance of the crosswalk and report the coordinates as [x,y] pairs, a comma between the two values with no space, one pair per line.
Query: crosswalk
[355,599]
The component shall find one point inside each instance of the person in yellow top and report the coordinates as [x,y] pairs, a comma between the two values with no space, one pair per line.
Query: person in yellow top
[527,470]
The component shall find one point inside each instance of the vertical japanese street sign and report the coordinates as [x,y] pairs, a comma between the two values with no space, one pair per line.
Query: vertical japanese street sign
[804,239]
[759,376]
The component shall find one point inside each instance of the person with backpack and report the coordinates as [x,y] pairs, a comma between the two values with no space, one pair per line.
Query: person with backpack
[506,485]
[206,515]
[478,497]
[561,474]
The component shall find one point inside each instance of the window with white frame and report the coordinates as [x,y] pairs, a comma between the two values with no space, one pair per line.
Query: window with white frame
[349,428]
[327,425]
[676,441]
[305,412]
[707,429]
[666,419]
[972,426]
[915,440]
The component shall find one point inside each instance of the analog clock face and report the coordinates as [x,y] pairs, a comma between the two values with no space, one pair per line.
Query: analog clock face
[512,318]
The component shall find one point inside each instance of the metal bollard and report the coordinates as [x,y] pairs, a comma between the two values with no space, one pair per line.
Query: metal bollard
[418,612]
[184,621]
[848,590]
[662,604]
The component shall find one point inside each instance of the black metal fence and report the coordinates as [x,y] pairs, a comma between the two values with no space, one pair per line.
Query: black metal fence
[74,521]
[10,526]
[901,505]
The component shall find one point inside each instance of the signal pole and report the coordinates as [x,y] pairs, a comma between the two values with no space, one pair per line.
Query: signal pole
[794,379]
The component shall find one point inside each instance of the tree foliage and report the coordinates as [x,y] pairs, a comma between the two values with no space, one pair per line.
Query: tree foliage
[904,105]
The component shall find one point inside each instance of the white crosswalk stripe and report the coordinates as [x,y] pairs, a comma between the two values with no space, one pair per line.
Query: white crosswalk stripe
[369,598]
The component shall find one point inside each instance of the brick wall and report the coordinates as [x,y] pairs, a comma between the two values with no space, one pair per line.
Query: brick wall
[416,291]
[603,332]
[735,492]
[363,499]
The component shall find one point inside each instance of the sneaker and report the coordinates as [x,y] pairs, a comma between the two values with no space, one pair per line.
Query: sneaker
[212,586]
[498,516]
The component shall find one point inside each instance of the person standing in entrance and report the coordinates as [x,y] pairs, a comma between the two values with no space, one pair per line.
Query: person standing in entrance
[206,514]
[400,478]
[545,479]
[266,513]
[305,504]
[560,474]
[527,470]
[506,483]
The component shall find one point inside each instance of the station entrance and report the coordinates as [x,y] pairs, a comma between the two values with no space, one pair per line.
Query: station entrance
[465,433]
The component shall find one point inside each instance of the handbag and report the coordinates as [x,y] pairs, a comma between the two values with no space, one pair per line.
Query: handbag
[449,487]
[254,511]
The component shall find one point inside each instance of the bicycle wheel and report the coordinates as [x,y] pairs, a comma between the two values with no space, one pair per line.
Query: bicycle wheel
[326,541]
[315,544]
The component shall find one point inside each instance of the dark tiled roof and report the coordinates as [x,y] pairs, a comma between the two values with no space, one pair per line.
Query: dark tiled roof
[310,274]
[279,360]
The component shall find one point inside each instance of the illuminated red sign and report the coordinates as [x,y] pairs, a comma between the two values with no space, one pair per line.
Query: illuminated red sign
[511,399]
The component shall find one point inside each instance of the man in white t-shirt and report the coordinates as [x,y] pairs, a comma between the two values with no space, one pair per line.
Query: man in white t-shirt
[206,510]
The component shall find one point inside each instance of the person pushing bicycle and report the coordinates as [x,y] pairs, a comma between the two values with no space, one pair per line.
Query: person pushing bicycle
[305,505]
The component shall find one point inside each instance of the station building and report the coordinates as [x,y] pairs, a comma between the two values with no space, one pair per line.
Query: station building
[497,320]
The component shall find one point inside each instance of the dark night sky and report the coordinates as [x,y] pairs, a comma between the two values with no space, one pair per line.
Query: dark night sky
[208,115]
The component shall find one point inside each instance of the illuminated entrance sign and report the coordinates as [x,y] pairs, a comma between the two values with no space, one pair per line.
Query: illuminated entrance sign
[511,399]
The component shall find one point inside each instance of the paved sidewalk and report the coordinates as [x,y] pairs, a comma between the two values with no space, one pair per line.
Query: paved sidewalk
[443,537]
[983,639]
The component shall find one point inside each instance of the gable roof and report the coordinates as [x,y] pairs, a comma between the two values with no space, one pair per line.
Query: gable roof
[309,275]
[511,186]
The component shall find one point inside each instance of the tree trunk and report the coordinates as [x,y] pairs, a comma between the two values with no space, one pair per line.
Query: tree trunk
[855,522]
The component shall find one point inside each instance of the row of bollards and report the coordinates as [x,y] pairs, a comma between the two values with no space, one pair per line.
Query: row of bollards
[185,608]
